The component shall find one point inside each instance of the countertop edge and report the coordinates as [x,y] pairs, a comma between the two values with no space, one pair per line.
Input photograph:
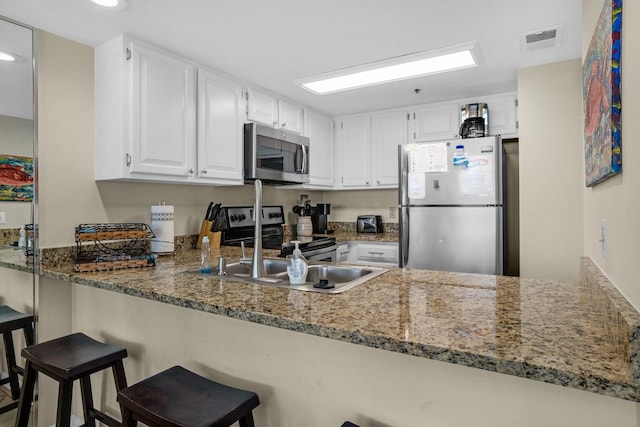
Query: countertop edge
[586,382]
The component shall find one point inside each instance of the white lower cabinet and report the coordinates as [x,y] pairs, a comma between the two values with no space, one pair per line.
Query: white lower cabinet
[342,253]
[146,104]
[383,254]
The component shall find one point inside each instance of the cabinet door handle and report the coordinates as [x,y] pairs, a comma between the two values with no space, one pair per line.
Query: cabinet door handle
[203,171]
[275,123]
[283,124]
[190,172]
[128,159]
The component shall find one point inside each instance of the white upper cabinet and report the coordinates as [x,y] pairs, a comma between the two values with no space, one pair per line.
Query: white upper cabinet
[388,130]
[434,122]
[503,113]
[262,108]
[146,105]
[163,112]
[145,113]
[367,149]
[353,150]
[291,116]
[319,130]
[269,110]
[220,137]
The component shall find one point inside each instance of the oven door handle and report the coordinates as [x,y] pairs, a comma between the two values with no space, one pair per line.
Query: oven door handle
[325,250]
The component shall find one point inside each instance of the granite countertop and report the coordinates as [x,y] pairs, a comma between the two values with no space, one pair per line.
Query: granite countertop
[579,335]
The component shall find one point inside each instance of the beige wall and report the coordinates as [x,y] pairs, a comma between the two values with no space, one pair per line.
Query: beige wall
[16,138]
[304,380]
[551,170]
[618,199]
[347,205]
[68,193]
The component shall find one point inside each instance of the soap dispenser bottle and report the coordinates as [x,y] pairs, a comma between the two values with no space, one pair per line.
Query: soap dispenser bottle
[297,266]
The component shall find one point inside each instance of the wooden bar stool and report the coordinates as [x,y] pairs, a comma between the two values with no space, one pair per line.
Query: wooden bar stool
[11,320]
[178,397]
[67,359]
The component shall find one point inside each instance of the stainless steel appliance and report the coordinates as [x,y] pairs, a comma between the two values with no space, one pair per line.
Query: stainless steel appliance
[369,224]
[475,120]
[319,218]
[237,225]
[275,156]
[450,206]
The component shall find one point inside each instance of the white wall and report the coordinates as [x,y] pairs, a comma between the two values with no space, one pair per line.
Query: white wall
[618,199]
[551,170]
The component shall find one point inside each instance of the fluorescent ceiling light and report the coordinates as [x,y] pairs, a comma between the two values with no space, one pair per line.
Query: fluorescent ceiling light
[394,69]
[7,57]
[112,4]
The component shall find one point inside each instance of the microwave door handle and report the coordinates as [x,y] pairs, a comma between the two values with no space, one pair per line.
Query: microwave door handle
[304,159]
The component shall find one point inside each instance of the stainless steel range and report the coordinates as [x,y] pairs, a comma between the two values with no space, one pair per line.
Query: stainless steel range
[236,225]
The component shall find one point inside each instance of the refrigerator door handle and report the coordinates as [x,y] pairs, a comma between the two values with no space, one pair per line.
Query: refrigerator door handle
[403,248]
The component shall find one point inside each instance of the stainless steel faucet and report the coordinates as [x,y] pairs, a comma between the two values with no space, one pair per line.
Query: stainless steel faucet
[257,264]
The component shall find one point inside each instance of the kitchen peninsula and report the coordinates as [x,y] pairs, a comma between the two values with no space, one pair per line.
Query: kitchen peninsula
[274,341]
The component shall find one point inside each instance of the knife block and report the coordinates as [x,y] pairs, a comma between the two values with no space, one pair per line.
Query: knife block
[214,236]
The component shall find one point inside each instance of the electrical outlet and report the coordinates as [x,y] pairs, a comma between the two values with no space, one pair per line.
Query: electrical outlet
[3,217]
[603,238]
[392,212]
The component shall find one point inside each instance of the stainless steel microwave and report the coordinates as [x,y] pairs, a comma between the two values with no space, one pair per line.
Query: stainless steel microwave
[275,156]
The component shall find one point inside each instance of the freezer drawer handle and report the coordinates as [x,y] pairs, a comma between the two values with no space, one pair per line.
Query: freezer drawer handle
[376,253]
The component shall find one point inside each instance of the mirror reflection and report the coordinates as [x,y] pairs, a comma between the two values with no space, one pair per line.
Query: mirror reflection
[17,130]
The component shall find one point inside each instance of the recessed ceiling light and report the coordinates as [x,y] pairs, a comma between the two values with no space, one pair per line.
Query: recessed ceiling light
[7,57]
[389,70]
[112,4]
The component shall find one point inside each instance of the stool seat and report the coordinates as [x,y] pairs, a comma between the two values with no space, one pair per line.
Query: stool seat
[65,360]
[73,356]
[178,397]
[12,320]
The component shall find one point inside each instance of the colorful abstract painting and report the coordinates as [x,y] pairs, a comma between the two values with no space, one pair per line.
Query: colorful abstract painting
[601,97]
[16,178]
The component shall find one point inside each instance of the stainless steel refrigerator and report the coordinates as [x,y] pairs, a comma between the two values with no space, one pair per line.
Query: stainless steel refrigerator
[450,205]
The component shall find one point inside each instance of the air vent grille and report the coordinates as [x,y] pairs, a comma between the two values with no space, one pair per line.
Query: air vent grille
[540,39]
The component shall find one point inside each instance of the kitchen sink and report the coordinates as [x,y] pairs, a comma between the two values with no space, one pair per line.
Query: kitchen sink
[324,278]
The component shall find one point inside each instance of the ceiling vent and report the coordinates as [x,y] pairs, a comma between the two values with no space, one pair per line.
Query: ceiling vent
[541,39]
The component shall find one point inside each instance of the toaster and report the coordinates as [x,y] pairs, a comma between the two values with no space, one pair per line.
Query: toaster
[369,224]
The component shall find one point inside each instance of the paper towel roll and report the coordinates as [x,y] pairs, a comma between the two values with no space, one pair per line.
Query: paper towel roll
[162,225]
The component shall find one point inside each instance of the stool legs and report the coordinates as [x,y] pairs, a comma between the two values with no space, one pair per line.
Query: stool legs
[10,353]
[26,395]
[12,366]
[63,415]
[247,421]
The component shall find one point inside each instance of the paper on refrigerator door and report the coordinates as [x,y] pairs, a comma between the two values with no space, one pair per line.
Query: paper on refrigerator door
[477,178]
[428,158]
[416,185]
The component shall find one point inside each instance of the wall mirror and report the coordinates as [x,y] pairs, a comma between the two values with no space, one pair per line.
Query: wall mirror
[17,173]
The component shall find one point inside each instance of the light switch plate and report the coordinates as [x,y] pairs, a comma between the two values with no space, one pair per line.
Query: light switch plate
[3,217]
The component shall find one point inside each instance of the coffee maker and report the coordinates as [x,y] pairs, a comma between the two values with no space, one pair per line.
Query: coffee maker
[475,120]
[319,218]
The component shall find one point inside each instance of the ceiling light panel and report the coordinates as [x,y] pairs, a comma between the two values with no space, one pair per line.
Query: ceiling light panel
[394,69]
